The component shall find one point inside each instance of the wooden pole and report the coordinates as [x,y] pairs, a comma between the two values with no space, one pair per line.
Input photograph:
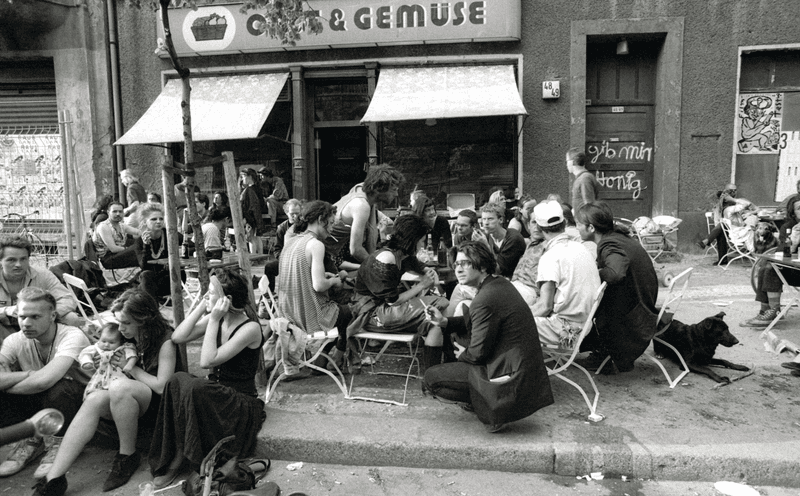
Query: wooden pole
[229,166]
[176,290]
[64,174]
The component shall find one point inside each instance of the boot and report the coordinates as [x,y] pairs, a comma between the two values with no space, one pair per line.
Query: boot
[431,355]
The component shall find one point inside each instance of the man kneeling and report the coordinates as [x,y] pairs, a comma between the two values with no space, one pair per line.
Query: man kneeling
[568,280]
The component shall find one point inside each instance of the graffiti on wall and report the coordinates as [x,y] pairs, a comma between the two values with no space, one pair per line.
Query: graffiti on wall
[620,151]
[758,124]
[622,181]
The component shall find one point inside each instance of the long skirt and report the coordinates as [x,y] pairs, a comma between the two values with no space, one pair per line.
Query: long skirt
[195,414]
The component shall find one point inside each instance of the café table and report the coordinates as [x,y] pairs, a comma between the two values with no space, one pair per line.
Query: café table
[778,261]
[228,260]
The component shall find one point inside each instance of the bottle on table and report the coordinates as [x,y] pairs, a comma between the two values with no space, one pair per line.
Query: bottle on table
[442,254]
[787,245]
[429,249]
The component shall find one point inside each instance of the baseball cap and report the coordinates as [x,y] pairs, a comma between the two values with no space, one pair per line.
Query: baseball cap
[548,213]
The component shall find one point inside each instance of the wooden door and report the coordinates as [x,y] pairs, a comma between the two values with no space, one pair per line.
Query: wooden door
[619,151]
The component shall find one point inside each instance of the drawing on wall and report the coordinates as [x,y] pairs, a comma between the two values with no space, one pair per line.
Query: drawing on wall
[758,126]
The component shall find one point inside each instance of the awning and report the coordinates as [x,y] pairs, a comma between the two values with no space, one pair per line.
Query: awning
[444,92]
[223,108]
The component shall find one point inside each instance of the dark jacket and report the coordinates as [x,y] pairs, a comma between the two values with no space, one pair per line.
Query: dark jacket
[626,317]
[503,342]
[509,253]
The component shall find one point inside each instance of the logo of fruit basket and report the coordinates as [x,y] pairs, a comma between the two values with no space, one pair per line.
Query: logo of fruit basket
[209,29]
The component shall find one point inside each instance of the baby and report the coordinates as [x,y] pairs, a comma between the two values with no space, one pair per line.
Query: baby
[111,341]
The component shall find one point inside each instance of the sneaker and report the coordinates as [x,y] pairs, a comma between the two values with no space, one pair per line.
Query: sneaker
[22,454]
[52,443]
[55,487]
[122,469]
[763,319]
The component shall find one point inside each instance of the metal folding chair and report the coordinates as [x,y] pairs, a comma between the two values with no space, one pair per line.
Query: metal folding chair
[712,245]
[671,304]
[557,360]
[79,287]
[736,251]
[411,340]
[319,338]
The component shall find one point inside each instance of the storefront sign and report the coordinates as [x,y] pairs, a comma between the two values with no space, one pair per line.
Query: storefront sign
[219,29]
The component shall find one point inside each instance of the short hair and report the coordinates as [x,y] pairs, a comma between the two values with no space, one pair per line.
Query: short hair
[471,215]
[577,156]
[479,255]
[14,242]
[313,211]
[381,178]
[158,197]
[597,214]
[218,214]
[494,208]
[291,202]
[202,198]
[421,204]
[32,294]
[408,230]
[130,175]
[115,202]
[557,228]
[146,210]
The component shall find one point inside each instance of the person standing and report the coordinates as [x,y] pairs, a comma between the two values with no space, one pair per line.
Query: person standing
[249,197]
[110,238]
[586,187]
[626,317]
[292,209]
[135,193]
[501,373]
[39,369]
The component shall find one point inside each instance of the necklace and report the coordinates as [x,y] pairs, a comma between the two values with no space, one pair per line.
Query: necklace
[49,351]
[156,254]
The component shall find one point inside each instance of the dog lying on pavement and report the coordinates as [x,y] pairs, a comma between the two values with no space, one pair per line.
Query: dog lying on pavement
[697,343]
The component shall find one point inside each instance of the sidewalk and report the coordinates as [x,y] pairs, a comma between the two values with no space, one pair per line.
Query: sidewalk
[749,430]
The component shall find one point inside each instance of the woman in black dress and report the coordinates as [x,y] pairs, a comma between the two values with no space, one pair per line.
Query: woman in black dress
[196,413]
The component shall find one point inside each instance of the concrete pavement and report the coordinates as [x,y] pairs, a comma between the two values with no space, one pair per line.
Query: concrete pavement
[748,430]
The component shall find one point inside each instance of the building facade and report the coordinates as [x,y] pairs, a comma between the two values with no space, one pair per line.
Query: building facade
[670,99]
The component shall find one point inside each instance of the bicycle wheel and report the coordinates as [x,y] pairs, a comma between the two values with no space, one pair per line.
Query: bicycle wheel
[39,256]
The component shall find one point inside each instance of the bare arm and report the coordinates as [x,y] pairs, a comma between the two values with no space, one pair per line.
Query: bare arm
[105,234]
[193,326]
[9,378]
[210,354]
[316,250]
[44,378]
[360,211]
[544,304]
[166,369]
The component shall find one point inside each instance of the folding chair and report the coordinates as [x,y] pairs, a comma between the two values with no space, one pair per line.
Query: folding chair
[79,287]
[320,338]
[712,245]
[737,248]
[671,304]
[557,359]
[371,358]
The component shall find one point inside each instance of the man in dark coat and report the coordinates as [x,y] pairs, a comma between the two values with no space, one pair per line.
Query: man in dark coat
[626,317]
[501,374]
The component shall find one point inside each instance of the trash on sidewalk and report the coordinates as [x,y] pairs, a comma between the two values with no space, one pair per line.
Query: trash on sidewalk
[775,345]
[722,303]
[735,489]
[294,466]
[591,477]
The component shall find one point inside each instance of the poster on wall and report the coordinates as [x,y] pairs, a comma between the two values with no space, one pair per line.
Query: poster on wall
[788,165]
[758,124]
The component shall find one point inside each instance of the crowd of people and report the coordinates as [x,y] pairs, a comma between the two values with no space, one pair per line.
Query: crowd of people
[522,283]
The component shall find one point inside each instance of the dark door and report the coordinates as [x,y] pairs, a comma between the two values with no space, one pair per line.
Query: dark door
[341,157]
[619,151]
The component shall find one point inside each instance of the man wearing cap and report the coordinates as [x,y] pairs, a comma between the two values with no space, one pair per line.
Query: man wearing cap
[251,200]
[567,277]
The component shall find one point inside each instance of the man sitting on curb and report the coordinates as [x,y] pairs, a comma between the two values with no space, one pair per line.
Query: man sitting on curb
[39,369]
[568,280]
[16,274]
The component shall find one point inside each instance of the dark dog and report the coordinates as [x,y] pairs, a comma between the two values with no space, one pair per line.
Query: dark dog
[697,344]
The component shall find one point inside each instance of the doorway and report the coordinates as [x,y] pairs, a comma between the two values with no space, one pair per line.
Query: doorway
[341,159]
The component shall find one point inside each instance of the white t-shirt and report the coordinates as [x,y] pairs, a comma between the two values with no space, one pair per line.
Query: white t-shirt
[21,353]
[572,268]
[211,236]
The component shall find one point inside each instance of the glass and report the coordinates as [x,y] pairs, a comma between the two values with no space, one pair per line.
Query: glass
[466,264]
[343,100]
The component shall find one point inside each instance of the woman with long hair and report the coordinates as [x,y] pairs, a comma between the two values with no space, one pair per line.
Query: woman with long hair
[438,227]
[196,412]
[152,245]
[128,402]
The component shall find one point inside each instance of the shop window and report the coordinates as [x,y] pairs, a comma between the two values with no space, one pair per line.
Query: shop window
[340,100]
[446,156]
